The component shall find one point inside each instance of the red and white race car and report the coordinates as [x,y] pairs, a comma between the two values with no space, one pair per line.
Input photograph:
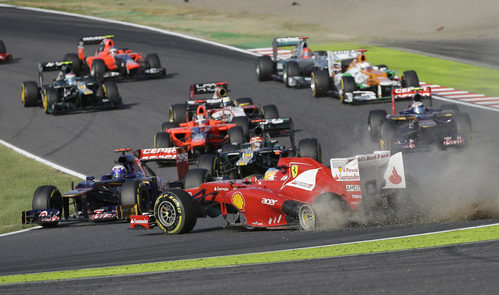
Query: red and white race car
[110,62]
[298,193]
[4,55]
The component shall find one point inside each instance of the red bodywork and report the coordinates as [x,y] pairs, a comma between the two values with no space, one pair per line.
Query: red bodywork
[5,57]
[133,63]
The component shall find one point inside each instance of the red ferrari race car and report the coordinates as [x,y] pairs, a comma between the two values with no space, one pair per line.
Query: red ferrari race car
[298,193]
[110,62]
[4,55]
[198,135]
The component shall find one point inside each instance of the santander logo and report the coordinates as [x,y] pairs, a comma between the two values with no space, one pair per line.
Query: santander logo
[395,178]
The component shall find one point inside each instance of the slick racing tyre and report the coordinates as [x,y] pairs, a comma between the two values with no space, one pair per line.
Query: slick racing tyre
[110,91]
[152,61]
[98,69]
[410,78]
[310,148]
[76,65]
[330,212]
[49,100]
[162,140]
[236,135]
[243,122]
[463,126]
[291,69]
[2,47]
[136,192]
[175,212]
[347,86]
[450,107]
[29,94]
[374,123]
[177,113]
[208,162]
[270,111]
[195,177]
[387,131]
[264,67]
[320,83]
[47,197]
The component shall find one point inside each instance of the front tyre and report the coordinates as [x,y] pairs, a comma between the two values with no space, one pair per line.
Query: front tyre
[175,212]
[29,94]
[320,83]
[264,67]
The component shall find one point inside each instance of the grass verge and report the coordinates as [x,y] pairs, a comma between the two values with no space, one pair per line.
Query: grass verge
[396,244]
[20,176]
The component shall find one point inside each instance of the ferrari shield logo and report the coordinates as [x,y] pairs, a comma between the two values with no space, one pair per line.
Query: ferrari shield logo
[294,170]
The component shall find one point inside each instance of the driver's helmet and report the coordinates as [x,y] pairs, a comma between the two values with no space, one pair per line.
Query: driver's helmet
[256,143]
[417,107]
[307,53]
[70,78]
[226,101]
[365,66]
[201,120]
[270,174]
[119,171]
[113,50]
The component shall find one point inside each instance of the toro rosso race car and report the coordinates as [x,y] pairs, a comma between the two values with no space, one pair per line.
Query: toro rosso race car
[219,106]
[419,127]
[261,153]
[110,62]
[298,193]
[68,92]
[353,79]
[294,71]
[131,188]
[4,55]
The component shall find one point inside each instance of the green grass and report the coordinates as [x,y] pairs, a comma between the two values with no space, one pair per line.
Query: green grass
[431,70]
[396,244]
[20,176]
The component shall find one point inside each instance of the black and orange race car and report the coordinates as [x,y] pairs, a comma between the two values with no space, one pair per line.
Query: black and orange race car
[198,135]
[109,62]
[4,55]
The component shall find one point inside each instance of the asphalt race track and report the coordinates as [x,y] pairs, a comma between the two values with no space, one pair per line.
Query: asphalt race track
[84,142]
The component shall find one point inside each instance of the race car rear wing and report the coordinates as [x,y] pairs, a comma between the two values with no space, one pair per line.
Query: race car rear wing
[378,170]
[409,92]
[161,154]
[275,127]
[219,89]
[285,41]
[335,58]
[51,66]
[93,40]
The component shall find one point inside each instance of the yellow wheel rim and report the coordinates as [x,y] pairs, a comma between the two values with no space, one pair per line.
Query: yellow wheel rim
[23,95]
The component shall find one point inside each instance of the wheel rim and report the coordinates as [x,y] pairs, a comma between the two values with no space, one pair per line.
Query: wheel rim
[45,102]
[23,95]
[167,214]
[307,217]
[258,70]
[171,115]
[312,85]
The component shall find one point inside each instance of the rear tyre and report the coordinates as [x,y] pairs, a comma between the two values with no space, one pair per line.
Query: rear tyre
[243,101]
[175,212]
[450,107]
[236,135]
[310,148]
[29,94]
[264,67]
[208,162]
[137,193]
[98,69]
[291,69]
[2,47]
[374,123]
[320,83]
[307,218]
[244,123]
[410,78]
[162,140]
[387,131]
[463,125]
[347,86]
[75,62]
[195,177]
[110,91]
[49,100]
[47,197]
[152,61]
[270,111]
[178,113]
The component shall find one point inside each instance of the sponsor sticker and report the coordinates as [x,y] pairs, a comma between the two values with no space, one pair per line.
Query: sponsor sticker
[238,201]
[353,188]
[294,170]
